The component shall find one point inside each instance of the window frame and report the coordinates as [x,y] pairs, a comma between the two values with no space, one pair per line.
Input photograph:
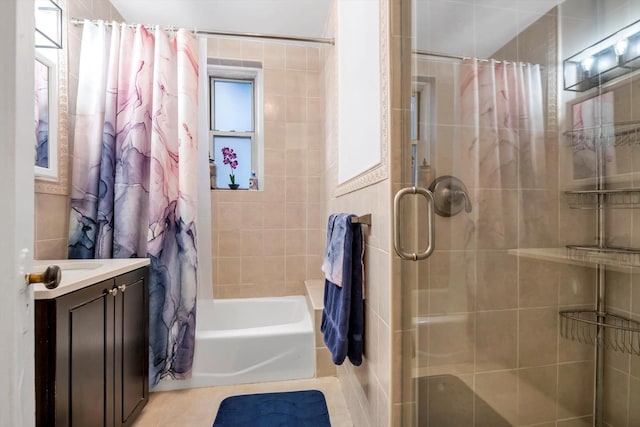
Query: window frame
[424,114]
[240,74]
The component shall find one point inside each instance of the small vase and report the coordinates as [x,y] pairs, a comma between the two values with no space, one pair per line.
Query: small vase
[234,186]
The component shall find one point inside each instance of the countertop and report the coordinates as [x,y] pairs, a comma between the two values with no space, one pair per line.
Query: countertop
[80,273]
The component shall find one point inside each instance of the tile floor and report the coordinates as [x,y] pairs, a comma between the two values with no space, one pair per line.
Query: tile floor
[198,407]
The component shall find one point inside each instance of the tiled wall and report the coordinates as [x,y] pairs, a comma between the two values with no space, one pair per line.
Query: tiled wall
[52,211]
[367,388]
[266,243]
[51,226]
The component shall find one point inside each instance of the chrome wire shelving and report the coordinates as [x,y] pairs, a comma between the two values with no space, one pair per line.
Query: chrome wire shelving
[620,334]
[625,257]
[623,198]
[598,327]
[605,134]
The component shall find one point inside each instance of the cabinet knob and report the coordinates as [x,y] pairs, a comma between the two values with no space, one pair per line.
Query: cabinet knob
[113,292]
[122,288]
[51,277]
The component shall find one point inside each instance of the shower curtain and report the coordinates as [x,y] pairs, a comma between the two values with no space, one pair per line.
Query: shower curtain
[134,185]
[503,136]
[502,109]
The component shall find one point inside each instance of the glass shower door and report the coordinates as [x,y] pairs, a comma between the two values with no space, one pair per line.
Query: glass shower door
[482,132]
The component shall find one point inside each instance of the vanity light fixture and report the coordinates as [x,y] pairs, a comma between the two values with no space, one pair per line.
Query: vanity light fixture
[606,60]
[48,17]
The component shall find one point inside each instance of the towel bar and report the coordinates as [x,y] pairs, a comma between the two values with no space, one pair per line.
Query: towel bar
[362,219]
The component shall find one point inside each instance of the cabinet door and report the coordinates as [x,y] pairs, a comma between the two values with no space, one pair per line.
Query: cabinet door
[84,353]
[132,344]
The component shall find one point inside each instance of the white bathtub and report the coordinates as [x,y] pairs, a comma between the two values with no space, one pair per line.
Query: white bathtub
[250,340]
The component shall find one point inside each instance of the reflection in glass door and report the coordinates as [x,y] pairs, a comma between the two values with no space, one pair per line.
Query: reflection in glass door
[486,115]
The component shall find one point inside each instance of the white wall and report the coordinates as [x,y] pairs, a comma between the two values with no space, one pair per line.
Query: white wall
[17,401]
[358,47]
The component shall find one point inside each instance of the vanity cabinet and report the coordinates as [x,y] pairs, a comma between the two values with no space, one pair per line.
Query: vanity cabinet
[92,354]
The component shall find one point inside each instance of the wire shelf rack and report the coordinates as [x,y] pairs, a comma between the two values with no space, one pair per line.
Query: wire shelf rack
[626,257]
[623,198]
[620,334]
[617,134]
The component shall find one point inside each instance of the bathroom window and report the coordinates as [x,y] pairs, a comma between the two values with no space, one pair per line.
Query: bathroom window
[423,129]
[234,122]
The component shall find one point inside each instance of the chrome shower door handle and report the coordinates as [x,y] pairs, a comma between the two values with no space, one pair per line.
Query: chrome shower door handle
[414,256]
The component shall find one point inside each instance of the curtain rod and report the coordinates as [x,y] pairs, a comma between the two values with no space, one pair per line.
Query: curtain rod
[331,41]
[460,58]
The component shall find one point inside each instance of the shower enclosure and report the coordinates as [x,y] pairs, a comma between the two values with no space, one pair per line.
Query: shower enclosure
[493,128]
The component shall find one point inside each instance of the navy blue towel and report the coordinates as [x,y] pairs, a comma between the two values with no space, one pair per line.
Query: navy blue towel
[343,314]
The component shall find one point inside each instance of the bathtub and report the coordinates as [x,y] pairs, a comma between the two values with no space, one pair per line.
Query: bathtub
[250,340]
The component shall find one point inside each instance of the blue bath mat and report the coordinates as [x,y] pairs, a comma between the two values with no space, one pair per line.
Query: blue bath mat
[294,408]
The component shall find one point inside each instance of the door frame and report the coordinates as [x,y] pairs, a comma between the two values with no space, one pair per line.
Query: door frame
[17,401]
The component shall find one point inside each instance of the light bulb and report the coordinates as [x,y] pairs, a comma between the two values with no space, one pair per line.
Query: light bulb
[621,47]
[587,63]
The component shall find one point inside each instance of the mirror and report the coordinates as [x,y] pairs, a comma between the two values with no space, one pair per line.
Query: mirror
[51,118]
[45,117]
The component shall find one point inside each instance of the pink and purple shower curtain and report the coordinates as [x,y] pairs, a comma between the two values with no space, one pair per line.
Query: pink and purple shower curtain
[41,110]
[134,172]
[502,111]
[503,144]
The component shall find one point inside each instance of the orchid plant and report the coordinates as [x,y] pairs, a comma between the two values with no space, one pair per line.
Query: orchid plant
[229,158]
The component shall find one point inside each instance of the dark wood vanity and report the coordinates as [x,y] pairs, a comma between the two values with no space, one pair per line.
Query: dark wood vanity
[92,353]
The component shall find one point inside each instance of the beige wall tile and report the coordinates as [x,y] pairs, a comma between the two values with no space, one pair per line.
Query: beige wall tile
[252,243]
[296,163]
[275,82]
[537,395]
[618,291]
[52,216]
[295,109]
[296,215]
[450,342]
[634,408]
[537,283]
[497,284]
[616,398]
[496,340]
[537,329]
[274,216]
[295,242]
[230,244]
[296,190]
[576,422]
[324,364]
[576,285]
[451,284]
[296,268]
[252,270]
[274,108]
[274,56]
[572,377]
[313,59]
[496,398]
[274,269]
[252,50]
[230,48]
[274,242]
[51,249]
[295,83]
[296,57]
[229,270]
